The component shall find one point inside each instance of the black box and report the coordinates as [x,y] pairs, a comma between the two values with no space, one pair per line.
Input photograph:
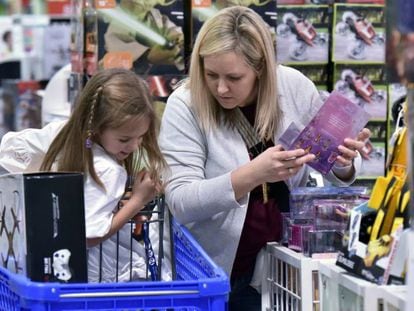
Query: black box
[42,226]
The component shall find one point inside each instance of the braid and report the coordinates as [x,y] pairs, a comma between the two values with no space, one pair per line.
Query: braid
[89,132]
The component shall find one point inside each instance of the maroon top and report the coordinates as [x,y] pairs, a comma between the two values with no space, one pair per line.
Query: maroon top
[263,221]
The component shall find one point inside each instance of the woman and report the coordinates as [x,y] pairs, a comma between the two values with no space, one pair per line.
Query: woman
[224,186]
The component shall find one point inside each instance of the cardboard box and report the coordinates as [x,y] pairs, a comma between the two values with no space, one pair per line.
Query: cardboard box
[203,10]
[358,33]
[42,226]
[143,36]
[302,34]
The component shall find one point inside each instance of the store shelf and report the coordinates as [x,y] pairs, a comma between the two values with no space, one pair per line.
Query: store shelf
[290,280]
[393,297]
[339,288]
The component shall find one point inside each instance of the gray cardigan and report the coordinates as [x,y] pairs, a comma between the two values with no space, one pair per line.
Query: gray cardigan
[199,191]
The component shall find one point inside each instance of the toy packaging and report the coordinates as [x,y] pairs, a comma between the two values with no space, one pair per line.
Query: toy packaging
[56,46]
[364,85]
[59,7]
[320,214]
[332,214]
[42,229]
[303,34]
[358,33]
[160,87]
[302,199]
[7,44]
[90,38]
[337,119]
[146,36]
[373,160]
[201,10]
[22,106]
[76,37]
[382,260]
[299,234]
[323,243]
[375,247]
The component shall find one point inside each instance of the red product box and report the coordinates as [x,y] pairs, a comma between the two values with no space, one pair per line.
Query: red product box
[58,7]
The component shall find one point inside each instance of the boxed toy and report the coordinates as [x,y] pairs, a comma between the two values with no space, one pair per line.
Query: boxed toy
[298,234]
[59,7]
[160,87]
[332,214]
[337,119]
[302,199]
[300,230]
[364,85]
[323,243]
[76,37]
[21,105]
[375,247]
[146,36]
[303,34]
[42,228]
[358,33]
[320,214]
[382,260]
[201,10]
[373,160]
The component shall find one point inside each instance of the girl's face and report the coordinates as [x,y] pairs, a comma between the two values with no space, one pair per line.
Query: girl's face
[122,141]
[232,82]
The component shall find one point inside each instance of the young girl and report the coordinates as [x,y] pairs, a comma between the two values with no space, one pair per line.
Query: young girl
[113,118]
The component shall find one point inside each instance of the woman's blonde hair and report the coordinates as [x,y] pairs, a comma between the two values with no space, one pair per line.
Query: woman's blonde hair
[240,30]
[109,99]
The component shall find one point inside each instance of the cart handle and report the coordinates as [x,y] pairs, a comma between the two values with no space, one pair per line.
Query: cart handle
[130,293]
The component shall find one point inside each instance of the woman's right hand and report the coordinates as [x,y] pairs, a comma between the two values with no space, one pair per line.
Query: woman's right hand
[272,165]
[276,164]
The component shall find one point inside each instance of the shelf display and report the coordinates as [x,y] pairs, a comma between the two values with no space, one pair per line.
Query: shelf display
[303,34]
[202,10]
[146,35]
[359,33]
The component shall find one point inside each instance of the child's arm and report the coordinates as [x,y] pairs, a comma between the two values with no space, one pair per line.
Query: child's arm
[143,191]
[24,151]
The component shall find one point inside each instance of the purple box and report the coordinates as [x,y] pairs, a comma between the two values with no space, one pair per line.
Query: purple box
[337,119]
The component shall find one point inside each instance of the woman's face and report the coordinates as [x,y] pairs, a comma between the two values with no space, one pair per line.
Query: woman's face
[232,82]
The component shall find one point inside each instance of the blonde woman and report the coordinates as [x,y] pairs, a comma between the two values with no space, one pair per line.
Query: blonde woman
[227,191]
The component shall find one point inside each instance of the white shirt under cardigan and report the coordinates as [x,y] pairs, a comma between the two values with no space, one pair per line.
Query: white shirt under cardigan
[24,152]
[199,192]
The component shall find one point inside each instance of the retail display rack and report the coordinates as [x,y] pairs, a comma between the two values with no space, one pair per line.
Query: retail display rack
[290,280]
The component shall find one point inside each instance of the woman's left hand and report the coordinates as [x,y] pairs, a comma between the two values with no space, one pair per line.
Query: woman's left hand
[351,146]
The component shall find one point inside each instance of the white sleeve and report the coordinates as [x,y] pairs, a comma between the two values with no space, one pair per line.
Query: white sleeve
[100,204]
[24,151]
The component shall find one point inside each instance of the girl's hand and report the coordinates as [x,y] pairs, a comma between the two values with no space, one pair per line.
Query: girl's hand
[276,164]
[350,147]
[144,188]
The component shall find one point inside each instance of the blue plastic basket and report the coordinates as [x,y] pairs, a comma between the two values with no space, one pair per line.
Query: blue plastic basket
[200,285]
